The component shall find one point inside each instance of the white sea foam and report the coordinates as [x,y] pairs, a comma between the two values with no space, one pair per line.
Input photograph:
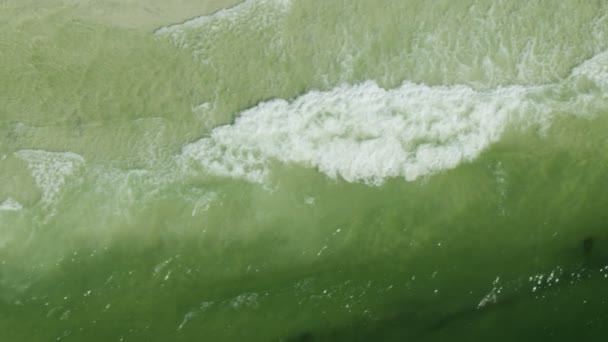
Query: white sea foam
[362,132]
[595,69]
[10,204]
[264,12]
[50,170]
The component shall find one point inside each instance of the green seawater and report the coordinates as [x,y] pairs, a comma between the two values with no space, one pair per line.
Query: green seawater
[305,170]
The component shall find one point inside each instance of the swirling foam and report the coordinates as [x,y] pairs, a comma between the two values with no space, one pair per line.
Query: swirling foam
[362,133]
[50,170]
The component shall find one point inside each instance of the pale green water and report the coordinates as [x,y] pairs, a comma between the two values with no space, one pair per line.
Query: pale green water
[306,170]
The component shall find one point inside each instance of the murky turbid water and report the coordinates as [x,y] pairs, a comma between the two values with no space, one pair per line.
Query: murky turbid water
[304,170]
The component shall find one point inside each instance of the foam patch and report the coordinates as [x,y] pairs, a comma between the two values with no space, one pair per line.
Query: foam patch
[10,204]
[50,170]
[362,133]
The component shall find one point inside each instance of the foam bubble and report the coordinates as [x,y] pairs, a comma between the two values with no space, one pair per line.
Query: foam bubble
[362,132]
[50,170]
[10,204]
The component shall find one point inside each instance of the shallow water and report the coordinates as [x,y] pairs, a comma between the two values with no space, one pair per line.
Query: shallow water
[304,171]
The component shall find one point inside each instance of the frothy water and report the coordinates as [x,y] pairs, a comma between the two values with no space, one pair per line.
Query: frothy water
[362,133]
[10,204]
[51,170]
[366,133]
[304,170]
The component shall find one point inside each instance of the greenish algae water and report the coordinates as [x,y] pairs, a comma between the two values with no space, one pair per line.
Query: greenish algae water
[304,171]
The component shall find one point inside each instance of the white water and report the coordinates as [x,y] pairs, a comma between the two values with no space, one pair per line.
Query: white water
[50,170]
[362,132]
[10,204]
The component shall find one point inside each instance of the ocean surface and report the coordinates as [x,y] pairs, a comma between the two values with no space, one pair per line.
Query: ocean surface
[304,170]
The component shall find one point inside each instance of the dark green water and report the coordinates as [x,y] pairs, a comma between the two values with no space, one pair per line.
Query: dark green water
[305,171]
